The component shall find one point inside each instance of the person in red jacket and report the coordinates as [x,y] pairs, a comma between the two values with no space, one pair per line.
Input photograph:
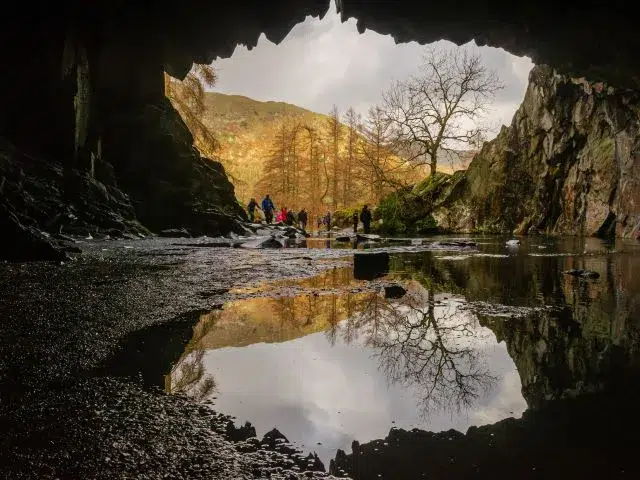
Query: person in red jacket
[282,216]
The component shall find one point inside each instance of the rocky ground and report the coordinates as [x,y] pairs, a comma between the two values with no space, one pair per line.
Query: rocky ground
[72,407]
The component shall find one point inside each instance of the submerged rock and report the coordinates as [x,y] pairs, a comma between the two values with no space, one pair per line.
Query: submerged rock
[454,243]
[367,237]
[394,291]
[343,238]
[582,273]
[263,242]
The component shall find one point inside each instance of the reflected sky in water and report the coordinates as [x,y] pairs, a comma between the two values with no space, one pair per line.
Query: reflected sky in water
[338,362]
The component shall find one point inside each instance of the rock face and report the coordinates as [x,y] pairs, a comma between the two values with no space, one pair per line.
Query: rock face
[569,163]
[149,154]
[170,184]
[39,207]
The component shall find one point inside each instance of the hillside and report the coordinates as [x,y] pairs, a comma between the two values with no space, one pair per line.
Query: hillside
[247,128]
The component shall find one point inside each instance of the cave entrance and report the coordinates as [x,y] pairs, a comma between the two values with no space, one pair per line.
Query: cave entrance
[308,120]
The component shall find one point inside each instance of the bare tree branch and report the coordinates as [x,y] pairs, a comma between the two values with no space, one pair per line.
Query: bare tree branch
[429,111]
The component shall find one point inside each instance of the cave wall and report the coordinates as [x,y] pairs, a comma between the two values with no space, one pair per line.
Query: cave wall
[569,163]
[79,75]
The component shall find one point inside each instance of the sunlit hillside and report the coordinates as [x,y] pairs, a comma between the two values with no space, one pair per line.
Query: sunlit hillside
[246,129]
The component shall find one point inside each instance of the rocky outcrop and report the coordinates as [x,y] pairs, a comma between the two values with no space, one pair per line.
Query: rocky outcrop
[569,163]
[584,347]
[149,154]
[170,184]
[40,206]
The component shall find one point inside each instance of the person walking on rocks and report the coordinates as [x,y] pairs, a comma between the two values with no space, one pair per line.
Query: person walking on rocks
[251,208]
[268,207]
[327,221]
[302,219]
[290,218]
[365,218]
[282,216]
[354,219]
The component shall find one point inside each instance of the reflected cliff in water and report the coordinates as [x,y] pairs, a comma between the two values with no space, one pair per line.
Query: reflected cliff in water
[472,339]
[579,334]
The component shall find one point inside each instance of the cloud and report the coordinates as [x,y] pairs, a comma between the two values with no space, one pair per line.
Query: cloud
[323,62]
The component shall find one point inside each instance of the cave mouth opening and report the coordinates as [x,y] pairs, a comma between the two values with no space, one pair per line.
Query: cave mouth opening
[299,119]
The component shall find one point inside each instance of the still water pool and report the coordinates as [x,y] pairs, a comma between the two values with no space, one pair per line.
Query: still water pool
[471,338]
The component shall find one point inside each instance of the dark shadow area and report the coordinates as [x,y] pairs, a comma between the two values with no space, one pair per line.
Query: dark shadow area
[587,437]
[149,353]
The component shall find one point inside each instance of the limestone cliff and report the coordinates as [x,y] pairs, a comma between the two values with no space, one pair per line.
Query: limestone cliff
[569,163]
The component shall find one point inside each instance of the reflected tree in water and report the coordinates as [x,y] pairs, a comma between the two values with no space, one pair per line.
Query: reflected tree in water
[189,377]
[425,345]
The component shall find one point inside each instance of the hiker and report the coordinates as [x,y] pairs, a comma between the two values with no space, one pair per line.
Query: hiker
[290,218]
[365,218]
[327,220]
[268,208]
[354,219]
[282,216]
[302,219]
[251,208]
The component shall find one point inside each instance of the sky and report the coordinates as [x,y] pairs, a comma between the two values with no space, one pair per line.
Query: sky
[323,62]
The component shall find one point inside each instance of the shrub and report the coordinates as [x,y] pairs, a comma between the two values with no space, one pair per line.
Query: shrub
[343,217]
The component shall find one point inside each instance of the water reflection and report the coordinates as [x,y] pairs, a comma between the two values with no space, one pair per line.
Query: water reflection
[430,346]
[477,338]
[189,377]
[331,366]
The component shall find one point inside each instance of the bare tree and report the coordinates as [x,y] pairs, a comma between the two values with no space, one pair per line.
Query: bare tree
[189,377]
[377,151]
[433,111]
[428,348]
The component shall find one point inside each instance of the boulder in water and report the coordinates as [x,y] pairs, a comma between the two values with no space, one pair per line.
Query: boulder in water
[456,244]
[174,233]
[368,236]
[263,242]
[368,266]
[343,238]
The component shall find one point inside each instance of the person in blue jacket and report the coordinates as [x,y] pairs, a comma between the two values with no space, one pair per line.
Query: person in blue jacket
[268,207]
